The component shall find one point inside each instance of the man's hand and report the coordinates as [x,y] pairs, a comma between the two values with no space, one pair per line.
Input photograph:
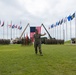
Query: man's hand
[43,34]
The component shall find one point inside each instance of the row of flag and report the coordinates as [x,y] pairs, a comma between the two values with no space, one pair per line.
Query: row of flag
[60,22]
[15,26]
[11,25]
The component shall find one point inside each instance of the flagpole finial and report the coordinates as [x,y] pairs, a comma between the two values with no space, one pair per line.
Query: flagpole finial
[42,23]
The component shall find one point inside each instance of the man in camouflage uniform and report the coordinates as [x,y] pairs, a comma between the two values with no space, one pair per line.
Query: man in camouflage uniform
[37,41]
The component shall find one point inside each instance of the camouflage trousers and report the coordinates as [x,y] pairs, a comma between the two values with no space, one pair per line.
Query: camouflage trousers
[37,47]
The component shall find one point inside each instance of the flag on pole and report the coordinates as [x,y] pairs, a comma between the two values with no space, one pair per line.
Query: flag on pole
[73,16]
[65,19]
[69,18]
[32,32]
[2,24]
[13,26]
[61,21]
[57,23]
[10,25]
[20,27]
[52,25]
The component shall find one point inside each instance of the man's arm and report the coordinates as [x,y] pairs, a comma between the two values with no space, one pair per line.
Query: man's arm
[43,34]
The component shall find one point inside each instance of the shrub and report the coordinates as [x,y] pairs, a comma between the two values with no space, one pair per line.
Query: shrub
[54,41]
[4,41]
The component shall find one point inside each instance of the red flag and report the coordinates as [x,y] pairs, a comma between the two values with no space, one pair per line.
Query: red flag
[10,25]
[15,26]
[2,24]
[18,27]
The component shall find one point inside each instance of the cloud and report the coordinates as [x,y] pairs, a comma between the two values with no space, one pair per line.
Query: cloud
[35,7]
[36,11]
[49,10]
[9,10]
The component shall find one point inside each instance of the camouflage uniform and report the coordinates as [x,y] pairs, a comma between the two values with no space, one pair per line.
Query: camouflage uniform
[37,43]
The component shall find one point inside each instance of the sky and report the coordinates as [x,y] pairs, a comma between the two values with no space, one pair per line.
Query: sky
[34,12]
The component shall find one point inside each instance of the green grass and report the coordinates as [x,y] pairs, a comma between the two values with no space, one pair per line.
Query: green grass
[21,60]
[68,42]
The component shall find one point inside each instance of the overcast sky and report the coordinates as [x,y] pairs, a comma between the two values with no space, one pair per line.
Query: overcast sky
[35,12]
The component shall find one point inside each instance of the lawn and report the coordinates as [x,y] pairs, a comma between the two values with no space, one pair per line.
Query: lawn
[21,60]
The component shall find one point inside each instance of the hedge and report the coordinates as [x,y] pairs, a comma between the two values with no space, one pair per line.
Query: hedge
[4,41]
[54,41]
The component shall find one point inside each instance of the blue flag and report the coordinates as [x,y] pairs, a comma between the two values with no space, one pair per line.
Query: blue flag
[69,18]
[73,16]
[52,26]
[20,28]
[13,26]
[57,23]
[61,21]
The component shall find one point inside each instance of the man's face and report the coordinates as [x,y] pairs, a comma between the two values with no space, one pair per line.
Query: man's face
[36,32]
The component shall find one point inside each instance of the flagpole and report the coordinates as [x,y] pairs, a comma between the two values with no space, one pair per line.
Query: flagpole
[21,26]
[60,31]
[63,34]
[13,33]
[63,31]
[3,32]
[20,29]
[57,32]
[7,30]
[70,30]
[11,30]
[75,27]
[53,32]
[66,30]
[16,32]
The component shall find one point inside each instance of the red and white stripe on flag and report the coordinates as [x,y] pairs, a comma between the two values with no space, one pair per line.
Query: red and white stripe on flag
[32,32]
